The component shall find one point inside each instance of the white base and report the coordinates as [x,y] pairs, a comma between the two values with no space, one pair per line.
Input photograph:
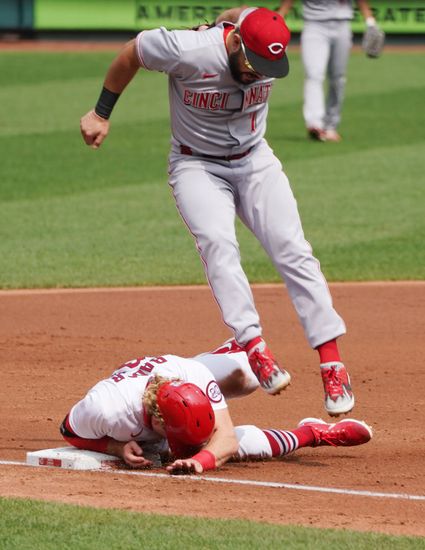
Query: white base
[70,458]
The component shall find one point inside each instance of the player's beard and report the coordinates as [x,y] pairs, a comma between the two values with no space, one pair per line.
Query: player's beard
[234,67]
[241,76]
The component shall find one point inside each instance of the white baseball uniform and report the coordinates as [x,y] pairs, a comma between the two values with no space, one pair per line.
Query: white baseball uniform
[326,41]
[114,408]
[230,367]
[220,165]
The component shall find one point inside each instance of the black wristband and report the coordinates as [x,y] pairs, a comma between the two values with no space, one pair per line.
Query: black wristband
[106,103]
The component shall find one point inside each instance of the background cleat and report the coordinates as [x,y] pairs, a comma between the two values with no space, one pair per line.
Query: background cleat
[316,134]
[332,135]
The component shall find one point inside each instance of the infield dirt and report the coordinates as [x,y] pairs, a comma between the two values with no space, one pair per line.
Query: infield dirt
[54,345]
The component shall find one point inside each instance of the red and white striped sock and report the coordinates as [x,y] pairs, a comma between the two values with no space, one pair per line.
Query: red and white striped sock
[283,442]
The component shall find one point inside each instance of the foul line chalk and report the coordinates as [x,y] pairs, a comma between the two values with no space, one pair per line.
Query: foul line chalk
[253,483]
[192,288]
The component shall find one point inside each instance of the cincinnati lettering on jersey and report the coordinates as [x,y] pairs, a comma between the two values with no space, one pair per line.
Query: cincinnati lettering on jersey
[257,94]
[210,101]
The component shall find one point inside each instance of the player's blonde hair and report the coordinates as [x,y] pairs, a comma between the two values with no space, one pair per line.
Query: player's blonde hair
[149,397]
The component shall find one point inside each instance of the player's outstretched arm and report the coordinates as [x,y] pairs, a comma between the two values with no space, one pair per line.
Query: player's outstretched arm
[94,125]
[285,7]
[219,449]
[365,10]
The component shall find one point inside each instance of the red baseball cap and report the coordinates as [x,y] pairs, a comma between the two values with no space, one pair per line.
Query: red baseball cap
[265,37]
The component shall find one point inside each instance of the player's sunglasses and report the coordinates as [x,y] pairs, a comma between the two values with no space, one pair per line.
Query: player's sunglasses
[245,60]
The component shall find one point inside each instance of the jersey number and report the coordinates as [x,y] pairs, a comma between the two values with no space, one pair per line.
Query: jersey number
[139,367]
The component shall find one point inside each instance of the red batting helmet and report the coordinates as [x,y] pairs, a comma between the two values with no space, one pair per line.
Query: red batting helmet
[188,415]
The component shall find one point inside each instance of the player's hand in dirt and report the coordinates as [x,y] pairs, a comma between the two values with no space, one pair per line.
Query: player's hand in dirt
[131,453]
[185,466]
[94,129]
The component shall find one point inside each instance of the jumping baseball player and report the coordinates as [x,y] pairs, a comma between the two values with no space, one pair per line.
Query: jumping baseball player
[326,41]
[221,166]
[172,407]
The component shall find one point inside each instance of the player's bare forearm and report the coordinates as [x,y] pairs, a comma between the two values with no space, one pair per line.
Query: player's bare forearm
[94,125]
[122,69]
[285,7]
[223,443]
[221,447]
[222,451]
[231,15]
[365,9]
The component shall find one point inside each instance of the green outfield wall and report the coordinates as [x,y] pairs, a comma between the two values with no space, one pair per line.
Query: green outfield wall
[394,16]
[16,14]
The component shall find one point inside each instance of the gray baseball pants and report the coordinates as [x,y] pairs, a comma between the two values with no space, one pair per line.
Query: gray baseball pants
[209,194]
[325,50]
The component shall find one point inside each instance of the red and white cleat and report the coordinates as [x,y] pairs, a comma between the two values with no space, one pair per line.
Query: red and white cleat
[345,433]
[271,377]
[316,134]
[339,398]
[229,346]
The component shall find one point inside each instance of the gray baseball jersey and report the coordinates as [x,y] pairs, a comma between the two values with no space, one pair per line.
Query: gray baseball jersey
[210,112]
[327,10]
[214,115]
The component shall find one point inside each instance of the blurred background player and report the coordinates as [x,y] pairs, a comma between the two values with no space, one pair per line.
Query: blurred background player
[172,407]
[326,41]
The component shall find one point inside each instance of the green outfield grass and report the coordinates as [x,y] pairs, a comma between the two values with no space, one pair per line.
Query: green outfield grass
[29,525]
[71,216]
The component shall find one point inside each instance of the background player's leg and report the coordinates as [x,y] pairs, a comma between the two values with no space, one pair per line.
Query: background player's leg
[315,55]
[206,203]
[340,52]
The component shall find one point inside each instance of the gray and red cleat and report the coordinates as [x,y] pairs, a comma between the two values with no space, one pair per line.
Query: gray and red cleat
[345,433]
[271,377]
[339,398]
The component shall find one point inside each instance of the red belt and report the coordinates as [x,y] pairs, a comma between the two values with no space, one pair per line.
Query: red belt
[185,150]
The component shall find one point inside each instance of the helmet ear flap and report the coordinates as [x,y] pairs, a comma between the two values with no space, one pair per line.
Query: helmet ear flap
[187,413]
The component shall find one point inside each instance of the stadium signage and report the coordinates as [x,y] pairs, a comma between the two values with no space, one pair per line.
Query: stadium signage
[393,16]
